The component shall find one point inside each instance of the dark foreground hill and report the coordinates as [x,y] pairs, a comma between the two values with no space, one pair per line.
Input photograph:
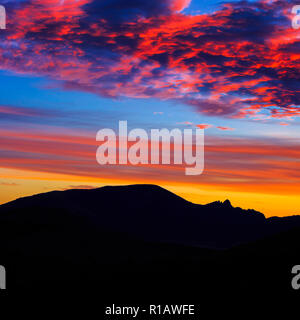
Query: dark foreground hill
[91,238]
[147,212]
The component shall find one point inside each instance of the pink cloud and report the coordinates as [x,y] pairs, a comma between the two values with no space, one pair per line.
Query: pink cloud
[204,126]
[221,64]
[225,128]
[179,5]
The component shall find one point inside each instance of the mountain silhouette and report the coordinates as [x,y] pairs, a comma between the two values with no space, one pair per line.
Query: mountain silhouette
[88,234]
[145,211]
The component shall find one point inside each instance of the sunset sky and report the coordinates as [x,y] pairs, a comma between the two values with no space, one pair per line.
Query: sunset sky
[72,67]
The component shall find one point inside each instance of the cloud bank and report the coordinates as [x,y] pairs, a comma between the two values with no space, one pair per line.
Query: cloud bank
[238,61]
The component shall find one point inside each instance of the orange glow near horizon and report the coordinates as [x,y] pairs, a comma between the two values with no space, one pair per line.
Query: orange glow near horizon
[19,183]
[252,173]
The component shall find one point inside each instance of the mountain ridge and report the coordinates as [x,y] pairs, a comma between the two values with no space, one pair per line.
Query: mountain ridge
[225,203]
[95,236]
[149,212]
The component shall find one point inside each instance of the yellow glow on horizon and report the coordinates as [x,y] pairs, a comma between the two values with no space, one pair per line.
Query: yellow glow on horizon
[19,183]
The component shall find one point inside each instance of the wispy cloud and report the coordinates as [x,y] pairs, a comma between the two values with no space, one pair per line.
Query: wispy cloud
[238,163]
[204,126]
[225,128]
[86,187]
[9,184]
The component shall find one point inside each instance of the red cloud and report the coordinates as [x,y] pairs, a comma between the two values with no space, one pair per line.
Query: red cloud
[235,62]
[204,126]
[225,128]
[179,5]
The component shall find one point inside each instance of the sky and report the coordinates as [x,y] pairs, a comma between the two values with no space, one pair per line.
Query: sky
[71,67]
